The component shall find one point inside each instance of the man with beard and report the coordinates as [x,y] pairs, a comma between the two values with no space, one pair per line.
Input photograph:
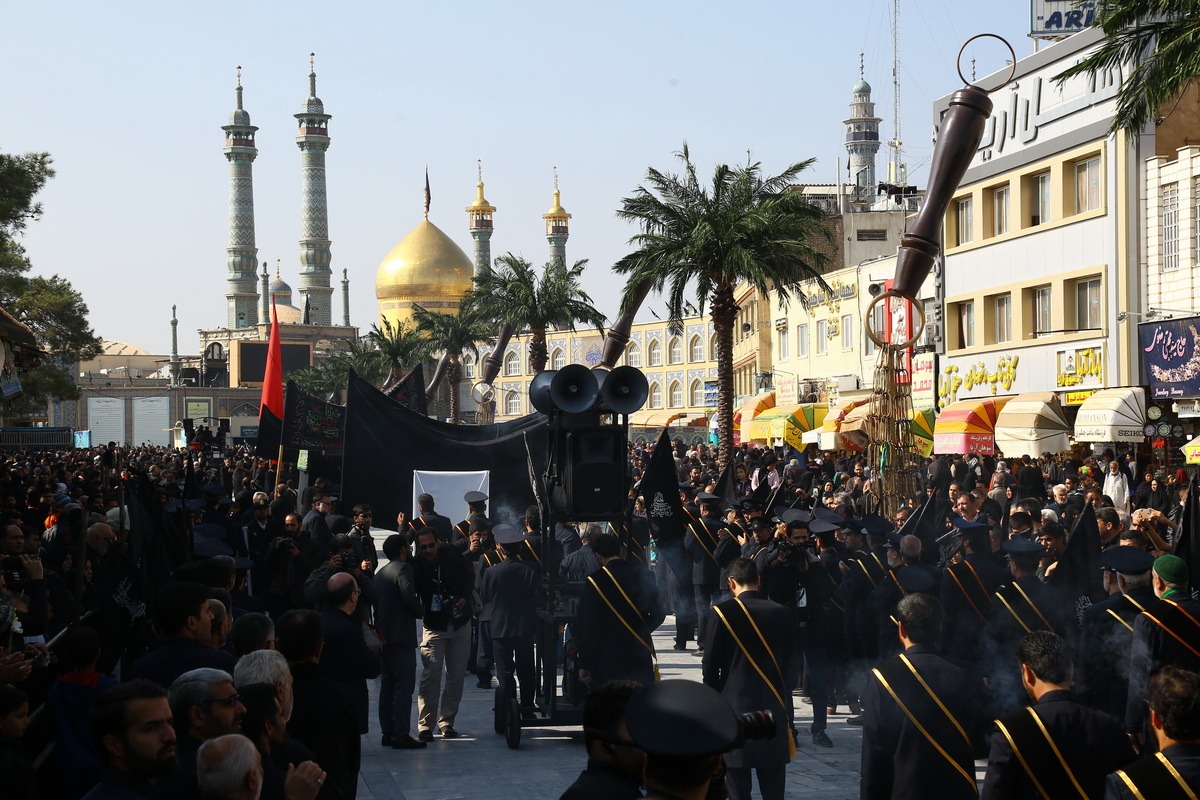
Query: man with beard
[257,535]
[131,725]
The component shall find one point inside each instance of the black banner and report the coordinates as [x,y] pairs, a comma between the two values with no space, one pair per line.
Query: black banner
[1171,354]
[310,423]
[385,442]
[409,391]
[1078,570]
[1187,537]
[270,430]
[660,489]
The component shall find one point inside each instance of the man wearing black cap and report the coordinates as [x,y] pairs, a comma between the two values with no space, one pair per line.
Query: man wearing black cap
[257,534]
[1166,633]
[614,765]
[761,544]
[1174,771]
[1058,747]
[862,571]
[427,517]
[1106,632]
[512,589]
[1022,606]
[920,723]
[750,657]
[968,590]
[618,612]
[314,523]
[907,575]
[700,542]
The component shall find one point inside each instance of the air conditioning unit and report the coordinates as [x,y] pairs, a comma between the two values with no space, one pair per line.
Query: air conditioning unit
[846,383]
[932,334]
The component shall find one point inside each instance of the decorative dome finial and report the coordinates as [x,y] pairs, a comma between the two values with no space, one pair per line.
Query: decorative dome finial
[312,74]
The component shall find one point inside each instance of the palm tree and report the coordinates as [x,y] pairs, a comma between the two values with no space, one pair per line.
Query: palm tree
[513,294]
[1157,37]
[453,334]
[707,239]
[400,346]
[331,375]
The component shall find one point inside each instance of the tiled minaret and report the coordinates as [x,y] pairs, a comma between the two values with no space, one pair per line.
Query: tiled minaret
[557,230]
[862,138]
[242,255]
[313,140]
[480,215]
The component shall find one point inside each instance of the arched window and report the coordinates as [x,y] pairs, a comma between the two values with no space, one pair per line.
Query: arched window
[468,362]
[633,355]
[655,353]
[512,364]
[695,349]
[675,351]
[558,359]
[712,348]
[675,395]
[655,395]
[512,403]
[697,392]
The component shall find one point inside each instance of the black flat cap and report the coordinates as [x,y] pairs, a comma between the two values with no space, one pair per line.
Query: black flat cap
[682,719]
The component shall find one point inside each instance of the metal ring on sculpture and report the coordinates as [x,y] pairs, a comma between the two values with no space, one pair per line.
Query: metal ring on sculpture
[481,396]
[1012,72]
[918,329]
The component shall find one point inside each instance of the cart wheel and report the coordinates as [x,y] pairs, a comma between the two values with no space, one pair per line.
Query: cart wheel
[512,736]
[500,711]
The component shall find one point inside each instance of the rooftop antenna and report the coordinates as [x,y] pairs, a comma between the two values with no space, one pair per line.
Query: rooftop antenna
[898,172]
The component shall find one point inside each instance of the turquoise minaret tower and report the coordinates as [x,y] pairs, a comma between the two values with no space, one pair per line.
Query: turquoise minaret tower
[557,231]
[479,215]
[242,255]
[313,140]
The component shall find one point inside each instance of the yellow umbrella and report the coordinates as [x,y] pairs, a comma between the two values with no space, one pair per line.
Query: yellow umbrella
[922,430]
[746,414]
[797,421]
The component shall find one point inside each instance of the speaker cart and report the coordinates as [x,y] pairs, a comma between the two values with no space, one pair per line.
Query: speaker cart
[586,480]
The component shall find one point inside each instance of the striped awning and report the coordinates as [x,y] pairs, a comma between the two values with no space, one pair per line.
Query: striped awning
[751,409]
[968,426]
[1112,415]
[1032,424]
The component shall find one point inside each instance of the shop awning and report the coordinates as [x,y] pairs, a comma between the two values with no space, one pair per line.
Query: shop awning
[968,426]
[654,418]
[1032,424]
[853,427]
[760,427]
[1112,415]
[831,437]
[751,409]
[796,421]
[1191,451]
[922,430]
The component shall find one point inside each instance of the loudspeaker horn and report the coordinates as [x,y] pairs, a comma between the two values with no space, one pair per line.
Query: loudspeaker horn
[625,390]
[573,390]
[539,390]
[875,289]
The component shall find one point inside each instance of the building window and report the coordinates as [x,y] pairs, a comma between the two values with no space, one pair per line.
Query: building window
[1168,226]
[675,351]
[712,348]
[512,403]
[468,363]
[697,393]
[822,337]
[1041,199]
[964,216]
[1002,318]
[558,358]
[695,349]
[783,342]
[655,353]
[655,395]
[872,235]
[802,340]
[1087,185]
[1000,207]
[966,324]
[633,355]
[512,364]
[675,395]
[1088,304]
[1041,310]
[847,332]
[877,324]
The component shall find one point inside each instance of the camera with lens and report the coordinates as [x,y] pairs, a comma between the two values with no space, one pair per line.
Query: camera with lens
[459,614]
[755,726]
[347,563]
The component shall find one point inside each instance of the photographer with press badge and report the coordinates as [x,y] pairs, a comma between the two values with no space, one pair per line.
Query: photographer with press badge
[445,582]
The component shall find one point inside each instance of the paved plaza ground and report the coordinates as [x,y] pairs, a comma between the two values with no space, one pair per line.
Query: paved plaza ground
[479,766]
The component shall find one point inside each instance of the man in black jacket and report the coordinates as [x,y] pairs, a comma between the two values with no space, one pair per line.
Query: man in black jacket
[398,607]
[1058,746]
[914,696]
[346,658]
[184,620]
[968,590]
[614,765]
[512,589]
[1175,717]
[323,717]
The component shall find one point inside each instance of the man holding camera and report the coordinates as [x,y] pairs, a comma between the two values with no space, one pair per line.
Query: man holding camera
[343,559]
[445,582]
[290,559]
[750,658]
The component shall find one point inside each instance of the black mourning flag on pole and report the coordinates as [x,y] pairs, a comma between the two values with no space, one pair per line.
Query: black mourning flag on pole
[409,391]
[928,523]
[270,429]
[1187,538]
[724,488]
[1078,569]
[660,490]
[310,423]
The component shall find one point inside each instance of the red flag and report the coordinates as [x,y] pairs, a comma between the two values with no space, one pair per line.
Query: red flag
[272,388]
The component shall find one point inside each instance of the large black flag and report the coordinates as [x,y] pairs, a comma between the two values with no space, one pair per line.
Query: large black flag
[928,523]
[1187,537]
[310,423]
[724,488]
[409,391]
[1078,569]
[660,489]
[270,431]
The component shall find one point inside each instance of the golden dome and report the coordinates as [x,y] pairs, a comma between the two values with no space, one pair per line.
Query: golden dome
[481,203]
[427,268]
[556,211]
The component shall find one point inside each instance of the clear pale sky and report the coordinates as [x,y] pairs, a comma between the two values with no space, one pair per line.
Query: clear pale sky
[129,99]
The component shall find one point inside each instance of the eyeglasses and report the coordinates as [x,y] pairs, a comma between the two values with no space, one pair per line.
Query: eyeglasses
[229,702]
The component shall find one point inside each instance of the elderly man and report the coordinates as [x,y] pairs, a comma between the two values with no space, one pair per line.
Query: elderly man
[266,727]
[204,704]
[1116,485]
[229,768]
[346,657]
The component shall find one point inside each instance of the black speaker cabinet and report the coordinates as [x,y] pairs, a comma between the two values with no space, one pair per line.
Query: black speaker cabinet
[592,473]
